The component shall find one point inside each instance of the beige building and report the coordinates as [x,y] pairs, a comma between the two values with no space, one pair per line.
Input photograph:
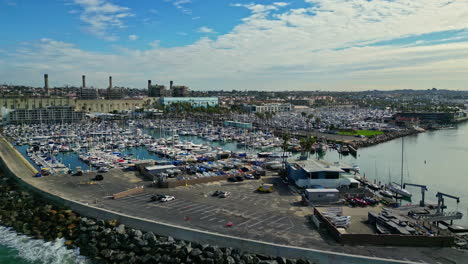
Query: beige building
[104,106]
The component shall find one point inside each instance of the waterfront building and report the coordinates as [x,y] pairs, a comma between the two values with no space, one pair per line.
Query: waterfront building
[312,173]
[428,117]
[51,114]
[194,101]
[268,108]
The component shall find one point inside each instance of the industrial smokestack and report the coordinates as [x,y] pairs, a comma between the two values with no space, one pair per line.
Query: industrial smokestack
[149,84]
[83,81]
[170,84]
[110,82]
[46,83]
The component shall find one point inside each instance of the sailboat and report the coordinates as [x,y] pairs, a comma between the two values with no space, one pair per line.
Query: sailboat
[398,188]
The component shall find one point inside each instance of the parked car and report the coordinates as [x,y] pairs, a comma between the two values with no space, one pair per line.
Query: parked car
[103,169]
[224,194]
[249,177]
[167,198]
[157,197]
[232,179]
[267,188]
[239,178]
[78,173]
[216,193]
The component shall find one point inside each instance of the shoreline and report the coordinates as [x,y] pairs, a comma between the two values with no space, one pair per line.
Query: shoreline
[385,138]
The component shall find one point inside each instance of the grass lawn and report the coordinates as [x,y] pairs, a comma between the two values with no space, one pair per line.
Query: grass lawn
[367,133]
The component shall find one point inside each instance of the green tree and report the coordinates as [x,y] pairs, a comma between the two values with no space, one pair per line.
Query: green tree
[260,115]
[317,121]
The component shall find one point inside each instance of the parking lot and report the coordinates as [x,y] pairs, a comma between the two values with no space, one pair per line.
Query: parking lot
[274,217]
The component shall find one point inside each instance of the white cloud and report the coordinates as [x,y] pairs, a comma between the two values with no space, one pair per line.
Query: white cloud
[155,44]
[324,46]
[102,17]
[280,4]
[10,3]
[205,30]
[132,37]
[181,5]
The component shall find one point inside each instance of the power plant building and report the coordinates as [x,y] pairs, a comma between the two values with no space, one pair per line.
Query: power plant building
[180,91]
[114,94]
[157,90]
[46,83]
[88,94]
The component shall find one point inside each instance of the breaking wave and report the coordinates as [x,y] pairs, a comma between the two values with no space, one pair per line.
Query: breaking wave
[38,251]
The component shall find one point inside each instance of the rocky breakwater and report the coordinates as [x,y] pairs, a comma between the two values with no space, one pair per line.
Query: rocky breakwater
[110,241]
[383,138]
[34,217]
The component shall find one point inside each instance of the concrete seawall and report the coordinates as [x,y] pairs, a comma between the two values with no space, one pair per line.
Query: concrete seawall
[15,166]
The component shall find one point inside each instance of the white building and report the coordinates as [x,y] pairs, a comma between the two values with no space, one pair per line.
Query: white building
[269,108]
[313,173]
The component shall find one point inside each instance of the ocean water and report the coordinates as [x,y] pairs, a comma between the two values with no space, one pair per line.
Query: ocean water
[20,249]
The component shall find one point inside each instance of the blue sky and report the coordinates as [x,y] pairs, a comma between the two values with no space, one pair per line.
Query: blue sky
[237,44]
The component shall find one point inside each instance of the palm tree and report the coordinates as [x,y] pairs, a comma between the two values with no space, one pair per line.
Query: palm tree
[317,121]
[310,144]
[285,147]
[304,146]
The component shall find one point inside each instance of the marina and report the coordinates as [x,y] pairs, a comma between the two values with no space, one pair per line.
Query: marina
[179,154]
[184,142]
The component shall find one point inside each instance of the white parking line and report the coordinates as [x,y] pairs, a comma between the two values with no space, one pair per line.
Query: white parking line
[277,220]
[205,209]
[206,216]
[259,216]
[212,219]
[259,222]
[125,198]
[179,204]
[195,208]
[278,226]
[158,204]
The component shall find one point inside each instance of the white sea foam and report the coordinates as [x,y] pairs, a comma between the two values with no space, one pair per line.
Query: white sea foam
[39,251]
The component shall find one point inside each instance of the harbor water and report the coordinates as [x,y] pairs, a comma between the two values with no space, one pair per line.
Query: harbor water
[438,159]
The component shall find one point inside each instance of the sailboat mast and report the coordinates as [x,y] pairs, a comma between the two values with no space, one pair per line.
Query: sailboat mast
[402,146]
